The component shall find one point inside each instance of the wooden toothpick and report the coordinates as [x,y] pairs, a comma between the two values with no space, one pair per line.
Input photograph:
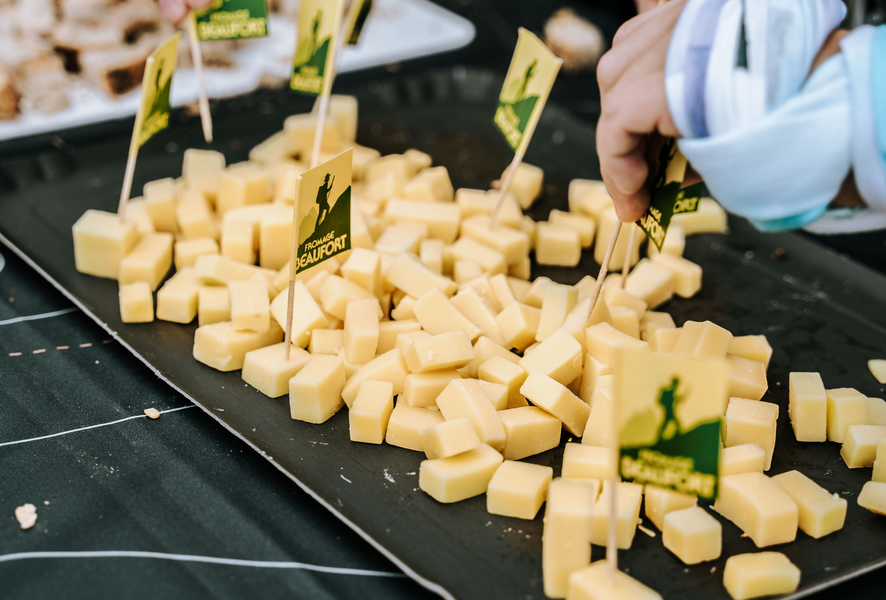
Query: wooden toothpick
[506,181]
[604,269]
[322,111]
[626,268]
[127,186]
[197,59]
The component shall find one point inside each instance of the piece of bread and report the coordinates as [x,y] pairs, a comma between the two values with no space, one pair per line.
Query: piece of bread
[71,38]
[116,70]
[44,84]
[9,96]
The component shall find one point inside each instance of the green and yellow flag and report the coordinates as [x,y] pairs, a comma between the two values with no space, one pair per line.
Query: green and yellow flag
[527,85]
[357,15]
[319,24]
[668,415]
[153,112]
[321,226]
[232,20]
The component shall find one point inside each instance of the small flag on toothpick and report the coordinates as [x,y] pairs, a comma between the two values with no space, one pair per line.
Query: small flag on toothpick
[153,110]
[524,93]
[357,15]
[321,221]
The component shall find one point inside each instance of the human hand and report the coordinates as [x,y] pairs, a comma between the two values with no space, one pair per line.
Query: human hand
[634,105]
[644,5]
[175,11]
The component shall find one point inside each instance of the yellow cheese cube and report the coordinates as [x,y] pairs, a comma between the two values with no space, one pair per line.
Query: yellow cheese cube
[389,331]
[759,507]
[628,497]
[876,411]
[431,254]
[362,157]
[565,542]
[389,366]
[526,184]
[422,389]
[137,214]
[860,445]
[363,267]
[397,164]
[592,371]
[213,269]
[499,370]
[344,109]
[202,170]
[808,407]
[502,291]
[275,238]
[846,407]
[484,349]
[518,489]
[327,341]
[271,150]
[160,200]
[510,243]
[186,251]
[588,197]
[497,393]
[879,473]
[553,397]
[250,309]
[194,217]
[625,320]
[466,398]
[761,574]
[529,431]
[603,340]
[177,299]
[661,501]
[873,497]
[653,321]
[306,315]
[606,223]
[361,330]
[702,340]
[222,347]
[336,293]
[616,296]
[240,185]
[557,245]
[267,370]
[249,215]
[674,242]
[584,225]
[478,311]
[406,424]
[518,324]
[745,378]
[464,271]
[751,422]
[821,513]
[742,459]
[404,340]
[438,315]
[692,535]
[687,274]
[709,218]
[450,350]
[449,438]
[663,341]
[877,368]
[300,129]
[594,583]
[368,417]
[430,185]
[441,219]
[459,477]
[136,303]
[404,237]
[490,261]
[410,275]
[558,357]
[148,261]
[315,391]
[651,282]
[582,461]
[599,429]
[557,302]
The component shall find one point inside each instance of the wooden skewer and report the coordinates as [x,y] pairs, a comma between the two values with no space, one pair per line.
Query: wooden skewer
[626,268]
[288,332]
[197,59]
[505,186]
[127,186]
[604,269]
[322,110]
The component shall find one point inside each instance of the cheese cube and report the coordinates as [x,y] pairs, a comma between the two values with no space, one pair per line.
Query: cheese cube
[478,311]
[557,302]
[653,321]
[616,296]
[661,501]
[663,341]
[860,445]
[137,214]
[267,370]
[410,275]
[450,350]
[751,421]
[336,293]
[594,583]
[687,274]
[441,219]
[742,459]
[422,389]
[381,189]
[625,320]
[404,310]
[271,150]
[177,299]
[846,407]
[592,371]
[363,267]
[557,245]
[368,417]
[449,438]
[202,170]
[403,237]
[406,424]
[213,269]
[821,513]
[518,489]
[250,309]
[652,282]
[136,303]
[606,224]
[526,184]
[518,324]
[693,535]
[565,542]
[581,461]
[389,366]
[315,391]
[222,347]
[300,129]
[558,357]
[361,330]
[327,341]
[194,217]
[344,109]
[603,340]
[762,574]
[484,349]
[553,397]
[510,243]
[240,185]
[160,199]
[745,378]
[250,215]
[599,429]
[808,407]
[759,507]
[529,431]
[877,368]
[873,497]
[148,261]
[588,196]
[876,411]
[431,254]
[702,340]
[502,371]
[438,315]
[674,242]
[397,164]
[497,394]
[430,185]
[459,477]
[404,340]
[306,315]
[491,261]
[627,509]
[879,473]
[709,218]
[464,270]
[466,398]
[584,225]
[389,331]
[275,238]
[186,252]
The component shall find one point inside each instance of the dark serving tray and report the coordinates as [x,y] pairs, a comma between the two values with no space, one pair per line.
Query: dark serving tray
[819,311]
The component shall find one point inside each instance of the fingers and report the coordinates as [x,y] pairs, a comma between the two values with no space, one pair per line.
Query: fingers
[173,11]
[198,4]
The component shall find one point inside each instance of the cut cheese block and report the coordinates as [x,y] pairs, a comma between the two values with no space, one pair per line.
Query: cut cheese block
[860,445]
[267,370]
[406,424]
[594,583]
[628,497]
[742,459]
[498,370]
[808,407]
[408,273]
[529,431]
[702,340]
[603,340]
[466,398]
[879,473]
[759,507]
[361,330]
[202,170]
[327,341]
[368,417]
[442,219]
[148,261]
[558,357]
[306,314]
[588,197]
[222,347]
[557,245]
[185,252]
[873,497]
[654,283]
[518,489]
[607,220]
[753,347]
[745,378]
[751,422]
[250,309]
[136,303]
[160,197]
[336,293]
[315,391]
[449,438]
[518,324]
[565,542]
[422,389]
[687,274]
[761,574]
[177,299]
[450,350]
[693,535]
[821,513]
[846,407]
[877,367]
[555,398]
[459,477]
[389,366]
[660,501]
[582,461]
[584,225]
[438,315]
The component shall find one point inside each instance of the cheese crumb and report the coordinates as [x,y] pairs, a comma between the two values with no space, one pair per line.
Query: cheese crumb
[878,369]
[152,413]
[26,514]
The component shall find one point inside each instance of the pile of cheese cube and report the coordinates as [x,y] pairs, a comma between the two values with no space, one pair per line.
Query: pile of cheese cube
[435,307]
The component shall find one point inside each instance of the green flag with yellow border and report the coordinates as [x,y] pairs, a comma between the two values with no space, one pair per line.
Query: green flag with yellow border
[319,24]
[232,20]
[153,111]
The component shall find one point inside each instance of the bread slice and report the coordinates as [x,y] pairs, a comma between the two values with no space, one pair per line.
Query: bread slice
[9,96]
